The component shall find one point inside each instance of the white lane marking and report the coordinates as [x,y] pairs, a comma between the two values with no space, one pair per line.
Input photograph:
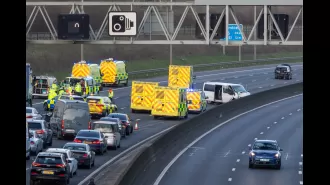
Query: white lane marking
[227,153]
[301,182]
[191,154]
[275,122]
[254,80]
[251,75]
[116,98]
[122,108]
[261,133]
[298,110]
[198,148]
[236,76]
[297,80]
[300,163]
[38,103]
[255,138]
[268,127]
[230,179]
[260,87]
[272,85]
[287,155]
[301,155]
[243,152]
[122,154]
[237,160]
[233,169]
[282,118]
[300,172]
[167,167]
[290,114]
[285,82]
[265,73]
[249,145]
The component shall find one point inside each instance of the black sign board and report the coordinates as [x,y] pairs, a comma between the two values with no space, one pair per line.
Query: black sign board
[73,26]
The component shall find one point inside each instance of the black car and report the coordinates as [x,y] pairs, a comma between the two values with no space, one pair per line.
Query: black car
[94,138]
[116,120]
[126,122]
[50,167]
[283,71]
[82,153]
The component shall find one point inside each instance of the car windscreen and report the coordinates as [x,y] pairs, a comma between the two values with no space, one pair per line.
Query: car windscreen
[93,100]
[29,111]
[75,147]
[88,134]
[64,153]
[48,160]
[105,128]
[238,88]
[78,98]
[72,114]
[281,68]
[264,146]
[34,125]
[122,117]
[109,119]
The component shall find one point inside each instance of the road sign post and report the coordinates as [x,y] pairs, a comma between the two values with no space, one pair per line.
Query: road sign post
[234,34]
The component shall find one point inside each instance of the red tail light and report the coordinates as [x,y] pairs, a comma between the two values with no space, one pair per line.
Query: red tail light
[85,156]
[96,142]
[61,175]
[77,141]
[100,105]
[34,173]
[36,164]
[32,143]
[60,165]
[40,131]
[29,116]
[62,124]
[89,125]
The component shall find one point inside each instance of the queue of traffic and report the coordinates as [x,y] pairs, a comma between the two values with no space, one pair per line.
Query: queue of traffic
[72,103]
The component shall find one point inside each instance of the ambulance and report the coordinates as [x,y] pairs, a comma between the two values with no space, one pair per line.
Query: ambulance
[170,102]
[196,101]
[83,69]
[87,89]
[180,76]
[113,72]
[142,95]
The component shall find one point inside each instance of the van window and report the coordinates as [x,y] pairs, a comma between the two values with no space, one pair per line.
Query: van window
[88,134]
[78,98]
[208,87]
[159,94]
[34,125]
[105,128]
[139,89]
[83,106]
[89,82]
[29,111]
[49,160]
[181,98]
[72,114]
[227,90]
[93,100]
[58,110]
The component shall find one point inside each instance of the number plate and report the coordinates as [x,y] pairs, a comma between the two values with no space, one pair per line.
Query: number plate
[87,142]
[48,172]
[264,160]
[70,131]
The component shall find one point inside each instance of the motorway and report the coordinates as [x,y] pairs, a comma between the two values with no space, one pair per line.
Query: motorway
[221,157]
[255,78]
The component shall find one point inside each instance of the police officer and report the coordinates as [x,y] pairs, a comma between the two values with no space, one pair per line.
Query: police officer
[51,99]
[77,89]
[54,86]
[69,90]
[111,94]
[61,91]
[113,108]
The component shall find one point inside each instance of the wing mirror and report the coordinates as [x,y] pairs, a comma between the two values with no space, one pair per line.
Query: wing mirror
[281,149]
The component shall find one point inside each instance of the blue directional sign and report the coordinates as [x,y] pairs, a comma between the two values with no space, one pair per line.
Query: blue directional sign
[233,33]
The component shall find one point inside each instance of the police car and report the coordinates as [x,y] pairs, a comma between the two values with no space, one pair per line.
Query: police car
[50,103]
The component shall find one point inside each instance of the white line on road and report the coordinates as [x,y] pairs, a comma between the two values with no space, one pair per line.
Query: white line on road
[250,75]
[300,163]
[233,169]
[287,155]
[260,87]
[254,80]
[236,76]
[227,153]
[261,133]
[272,85]
[167,167]
[122,108]
[301,155]
[301,182]
[27,169]
[265,73]
[116,98]
[290,114]
[298,110]
[249,145]
[230,179]
[268,127]
[255,138]
[285,82]
[300,172]
[275,122]
[297,80]
[282,118]
[243,152]
[196,147]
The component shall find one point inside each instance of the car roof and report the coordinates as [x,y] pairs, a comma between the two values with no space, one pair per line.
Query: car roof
[95,97]
[75,96]
[116,114]
[105,122]
[76,144]
[265,141]
[85,130]
[61,150]
[36,120]
[30,108]
[49,154]
[73,101]
[221,83]
[109,118]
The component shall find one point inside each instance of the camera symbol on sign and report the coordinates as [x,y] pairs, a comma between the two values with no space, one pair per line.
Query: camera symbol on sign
[122,24]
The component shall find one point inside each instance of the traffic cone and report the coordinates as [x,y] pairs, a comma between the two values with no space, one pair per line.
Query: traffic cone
[136,127]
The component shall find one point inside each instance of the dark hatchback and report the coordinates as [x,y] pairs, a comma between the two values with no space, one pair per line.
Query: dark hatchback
[94,138]
[50,167]
[82,153]
[126,122]
[283,71]
[265,153]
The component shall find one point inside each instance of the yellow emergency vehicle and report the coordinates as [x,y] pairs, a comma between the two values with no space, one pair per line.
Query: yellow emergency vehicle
[113,72]
[89,84]
[196,101]
[170,102]
[142,95]
[180,76]
[100,106]
[83,69]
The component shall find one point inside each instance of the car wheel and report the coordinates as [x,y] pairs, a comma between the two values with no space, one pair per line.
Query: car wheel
[71,174]
[119,145]
[251,165]
[75,173]
[278,166]
[93,162]
[67,181]
[101,152]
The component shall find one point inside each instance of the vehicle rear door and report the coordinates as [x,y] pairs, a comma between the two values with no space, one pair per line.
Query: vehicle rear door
[173,78]
[159,103]
[94,106]
[74,120]
[209,91]
[148,92]
[137,95]
[172,101]
[227,94]
[184,77]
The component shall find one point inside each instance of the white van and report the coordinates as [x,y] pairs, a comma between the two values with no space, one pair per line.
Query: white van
[27,138]
[219,92]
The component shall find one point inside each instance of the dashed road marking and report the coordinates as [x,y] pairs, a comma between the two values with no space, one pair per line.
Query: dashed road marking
[300,172]
[298,110]
[285,82]
[243,152]
[233,169]
[301,182]
[230,179]
[297,80]
[251,75]
[236,77]
[116,98]
[255,138]
[275,122]
[272,85]
[268,127]
[249,145]
[227,153]
[260,87]
[254,80]
[300,163]
[122,108]
[237,160]
[198,148]
[290,114]
[301,155]
[282,118]
[261,133]
[287,155]
[191,154]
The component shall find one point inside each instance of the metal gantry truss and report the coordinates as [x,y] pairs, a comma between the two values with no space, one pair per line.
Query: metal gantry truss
[96,37]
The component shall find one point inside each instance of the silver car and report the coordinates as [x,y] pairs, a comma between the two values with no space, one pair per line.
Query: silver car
[110,131]
[43,130]
[32,113]
[36,142]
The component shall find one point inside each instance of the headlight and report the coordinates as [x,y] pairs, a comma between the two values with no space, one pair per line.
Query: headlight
[252,154]
[277,155]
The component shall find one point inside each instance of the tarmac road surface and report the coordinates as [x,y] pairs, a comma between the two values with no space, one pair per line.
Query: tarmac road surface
[255,79]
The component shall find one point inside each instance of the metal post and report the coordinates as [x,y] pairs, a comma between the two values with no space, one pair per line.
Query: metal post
[171,54]
[255,34]
[270,25]
[265,24]
[239,52]
[82,45]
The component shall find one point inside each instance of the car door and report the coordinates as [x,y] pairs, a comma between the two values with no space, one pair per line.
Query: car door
[117,134]
[74,161]
[104,145]
[40,142]
[49,131]
[226,94]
